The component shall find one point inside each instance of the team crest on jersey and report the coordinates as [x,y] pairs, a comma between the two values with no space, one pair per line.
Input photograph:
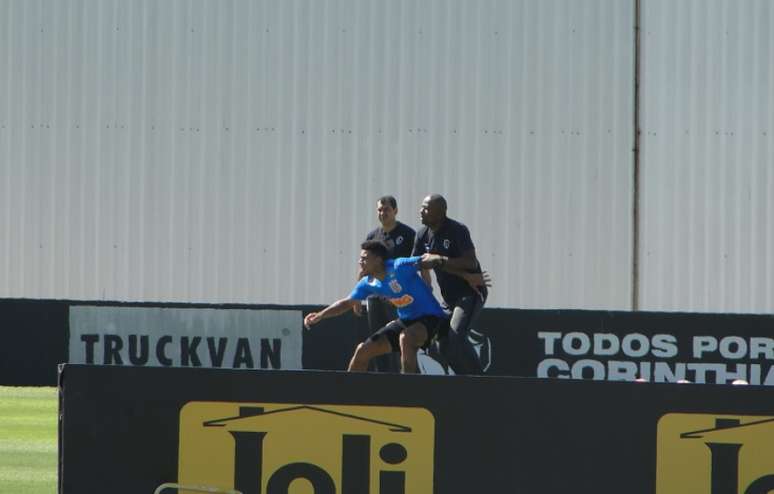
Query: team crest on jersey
[446,243]
[398,240]
[395,286]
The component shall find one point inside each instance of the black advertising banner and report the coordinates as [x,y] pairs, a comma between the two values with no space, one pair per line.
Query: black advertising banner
[654,346]
[135,429]
[599,345]
[40,334]
[34,341]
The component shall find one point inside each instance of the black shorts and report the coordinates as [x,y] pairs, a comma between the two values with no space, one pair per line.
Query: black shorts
[433,325]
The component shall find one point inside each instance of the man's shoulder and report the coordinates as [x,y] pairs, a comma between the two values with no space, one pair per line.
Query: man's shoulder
[403,234]
[363,280]
[405,229]
[453,228]
[422,232]
[376,233]
[360,287]
[454,224]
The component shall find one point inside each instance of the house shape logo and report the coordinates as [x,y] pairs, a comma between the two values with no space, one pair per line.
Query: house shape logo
[272,448]
[715,454]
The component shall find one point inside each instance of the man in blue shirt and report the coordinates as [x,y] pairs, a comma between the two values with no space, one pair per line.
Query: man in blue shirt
[420,316]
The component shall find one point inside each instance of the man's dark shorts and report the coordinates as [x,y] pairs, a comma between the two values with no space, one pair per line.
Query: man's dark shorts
[433,325]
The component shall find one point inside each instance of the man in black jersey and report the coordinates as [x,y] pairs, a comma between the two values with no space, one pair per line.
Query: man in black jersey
[451,239]
[399,239]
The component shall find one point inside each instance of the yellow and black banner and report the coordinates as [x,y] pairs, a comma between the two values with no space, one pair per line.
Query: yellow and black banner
[277,448]
[128,430]
[715,454]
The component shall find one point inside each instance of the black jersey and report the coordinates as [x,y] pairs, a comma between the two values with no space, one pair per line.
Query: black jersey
[451,240]
[399,240]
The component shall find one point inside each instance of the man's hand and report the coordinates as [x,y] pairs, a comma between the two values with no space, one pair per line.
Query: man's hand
[429,257]
[311,318]
[357,309]
[428,261]
[478,281]
[337,308]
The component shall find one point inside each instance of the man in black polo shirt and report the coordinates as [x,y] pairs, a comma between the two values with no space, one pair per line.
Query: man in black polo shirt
[399,239]
[451,239]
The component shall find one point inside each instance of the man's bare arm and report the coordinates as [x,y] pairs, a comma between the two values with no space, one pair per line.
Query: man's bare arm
[466,262]
[475,280]
[482,279]
[453,265]
[335,309]
[427,277]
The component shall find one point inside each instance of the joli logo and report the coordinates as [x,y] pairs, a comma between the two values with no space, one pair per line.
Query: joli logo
[271,448]
[715,454]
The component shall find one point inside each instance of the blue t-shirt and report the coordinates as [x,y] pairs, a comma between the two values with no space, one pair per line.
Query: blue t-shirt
[403,286]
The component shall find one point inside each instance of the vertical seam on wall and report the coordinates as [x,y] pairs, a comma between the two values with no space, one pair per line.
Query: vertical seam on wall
[636,169]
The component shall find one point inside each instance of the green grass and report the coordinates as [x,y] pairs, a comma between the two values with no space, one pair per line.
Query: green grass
[28,456]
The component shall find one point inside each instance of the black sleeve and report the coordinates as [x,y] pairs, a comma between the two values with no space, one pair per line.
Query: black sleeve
[411,238]
[406,246]
[371,235]
[464,241]
[419,247]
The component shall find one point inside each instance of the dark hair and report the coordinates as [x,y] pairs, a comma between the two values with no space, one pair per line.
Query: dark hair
[388,200]
[376,247]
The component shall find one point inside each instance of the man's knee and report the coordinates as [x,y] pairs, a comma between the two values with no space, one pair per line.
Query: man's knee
[463,315]
[412,339]
[373,347]
[365,349]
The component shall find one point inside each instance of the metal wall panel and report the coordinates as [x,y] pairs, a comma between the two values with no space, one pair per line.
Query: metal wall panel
[707,156]
[231,151]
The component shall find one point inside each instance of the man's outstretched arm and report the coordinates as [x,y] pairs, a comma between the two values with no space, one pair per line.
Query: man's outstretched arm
[475,280]
[466,262]
[335,309]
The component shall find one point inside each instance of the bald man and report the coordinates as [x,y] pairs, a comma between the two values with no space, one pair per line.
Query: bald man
[451,240]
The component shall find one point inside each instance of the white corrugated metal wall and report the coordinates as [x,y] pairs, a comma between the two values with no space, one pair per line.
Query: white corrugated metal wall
[707,172]
[231,151]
